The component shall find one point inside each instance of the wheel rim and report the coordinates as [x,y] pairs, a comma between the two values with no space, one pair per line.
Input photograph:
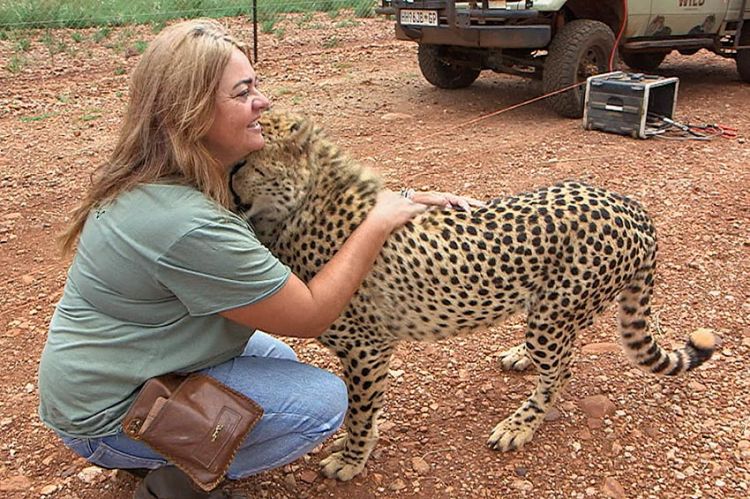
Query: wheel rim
[591,64]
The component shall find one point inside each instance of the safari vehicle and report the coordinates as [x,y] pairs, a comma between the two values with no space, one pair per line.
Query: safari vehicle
[562,42]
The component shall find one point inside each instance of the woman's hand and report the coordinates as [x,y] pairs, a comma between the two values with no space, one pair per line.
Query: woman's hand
[446,200]
[395,210]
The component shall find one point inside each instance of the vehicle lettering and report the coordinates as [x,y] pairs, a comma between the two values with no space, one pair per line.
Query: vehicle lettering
[692,3]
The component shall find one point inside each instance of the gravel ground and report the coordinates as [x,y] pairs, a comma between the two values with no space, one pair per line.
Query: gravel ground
[615,433]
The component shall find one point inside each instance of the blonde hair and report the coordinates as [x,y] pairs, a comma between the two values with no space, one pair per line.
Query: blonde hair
[171,108]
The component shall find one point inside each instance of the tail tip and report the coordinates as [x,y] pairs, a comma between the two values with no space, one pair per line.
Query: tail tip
[703,339]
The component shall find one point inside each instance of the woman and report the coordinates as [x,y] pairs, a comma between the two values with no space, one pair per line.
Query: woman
[167,279]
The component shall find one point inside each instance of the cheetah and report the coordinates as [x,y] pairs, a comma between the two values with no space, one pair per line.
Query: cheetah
[562,254]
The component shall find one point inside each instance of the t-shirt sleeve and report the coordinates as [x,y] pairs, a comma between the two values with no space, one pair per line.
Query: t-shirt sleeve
[220,266]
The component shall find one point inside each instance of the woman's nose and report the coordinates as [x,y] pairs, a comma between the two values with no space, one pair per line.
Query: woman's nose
[261,102]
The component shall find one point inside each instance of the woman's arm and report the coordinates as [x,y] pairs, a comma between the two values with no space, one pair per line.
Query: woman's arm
[307,310]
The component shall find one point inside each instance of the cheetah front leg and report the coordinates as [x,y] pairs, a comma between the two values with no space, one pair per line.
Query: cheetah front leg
[552,358]
[365,373]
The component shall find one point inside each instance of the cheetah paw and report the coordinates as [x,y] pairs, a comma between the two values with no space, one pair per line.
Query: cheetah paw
[338,444]
[515,359]
[335,466]
[509,436]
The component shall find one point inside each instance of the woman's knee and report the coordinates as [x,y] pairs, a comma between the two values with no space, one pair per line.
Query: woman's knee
[330,397]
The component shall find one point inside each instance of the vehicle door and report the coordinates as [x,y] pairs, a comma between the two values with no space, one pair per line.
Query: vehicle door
[685,17]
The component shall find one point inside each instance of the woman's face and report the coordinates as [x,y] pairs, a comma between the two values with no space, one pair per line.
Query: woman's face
[235,131]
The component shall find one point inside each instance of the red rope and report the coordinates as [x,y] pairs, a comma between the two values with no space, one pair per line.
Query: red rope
[504,110]
[623,23]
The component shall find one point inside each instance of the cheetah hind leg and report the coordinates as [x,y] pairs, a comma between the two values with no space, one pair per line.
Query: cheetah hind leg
[553,366]
[515,359]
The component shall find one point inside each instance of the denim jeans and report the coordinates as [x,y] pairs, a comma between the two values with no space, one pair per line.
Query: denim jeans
[303,405]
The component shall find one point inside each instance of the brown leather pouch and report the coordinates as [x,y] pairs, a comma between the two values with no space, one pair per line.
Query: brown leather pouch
[194,421]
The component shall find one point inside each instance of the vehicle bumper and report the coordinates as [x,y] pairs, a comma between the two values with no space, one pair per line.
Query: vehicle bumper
[478,36]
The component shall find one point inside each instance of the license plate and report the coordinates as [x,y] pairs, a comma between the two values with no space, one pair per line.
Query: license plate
[419,17]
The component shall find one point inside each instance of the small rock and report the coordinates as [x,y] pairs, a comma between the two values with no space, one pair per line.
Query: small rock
[697,387]
[420,465]
[520,471]
[308,476]
[90,474]
[612,489]
[15,484]
[68,471]
[27,279]
[396,373]
[48,489]
[397,484]
[523,485]
[553,415]
[290,481]
[597,406]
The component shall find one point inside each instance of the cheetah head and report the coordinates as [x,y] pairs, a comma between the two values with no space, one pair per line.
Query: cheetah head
[272,182]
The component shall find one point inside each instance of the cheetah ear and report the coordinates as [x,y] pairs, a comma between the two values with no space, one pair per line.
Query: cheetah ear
[300,133]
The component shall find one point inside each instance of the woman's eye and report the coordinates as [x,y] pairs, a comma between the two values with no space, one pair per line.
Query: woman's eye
[244,93]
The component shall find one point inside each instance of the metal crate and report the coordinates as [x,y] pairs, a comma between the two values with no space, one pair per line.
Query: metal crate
[622,103]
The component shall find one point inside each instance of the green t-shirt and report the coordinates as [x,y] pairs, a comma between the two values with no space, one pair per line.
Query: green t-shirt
[152,271]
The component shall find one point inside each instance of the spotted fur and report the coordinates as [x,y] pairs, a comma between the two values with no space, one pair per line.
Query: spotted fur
[562,254]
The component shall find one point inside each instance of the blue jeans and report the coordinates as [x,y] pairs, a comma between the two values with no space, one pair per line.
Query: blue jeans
[303,405]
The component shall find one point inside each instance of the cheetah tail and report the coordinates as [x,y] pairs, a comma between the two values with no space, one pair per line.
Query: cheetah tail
[638,343]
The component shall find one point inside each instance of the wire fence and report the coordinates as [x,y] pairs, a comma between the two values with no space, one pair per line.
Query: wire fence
[29,14]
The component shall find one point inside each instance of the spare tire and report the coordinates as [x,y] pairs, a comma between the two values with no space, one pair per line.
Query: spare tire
[438,69]
[579,50]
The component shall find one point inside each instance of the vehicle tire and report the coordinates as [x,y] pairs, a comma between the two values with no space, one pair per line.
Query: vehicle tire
[743,55]
[440,72]
[644,61]
[579,50]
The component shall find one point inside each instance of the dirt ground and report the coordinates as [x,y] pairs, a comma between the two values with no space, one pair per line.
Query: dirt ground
[673,438]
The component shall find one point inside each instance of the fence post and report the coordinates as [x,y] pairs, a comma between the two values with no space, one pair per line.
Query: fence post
[255,31]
